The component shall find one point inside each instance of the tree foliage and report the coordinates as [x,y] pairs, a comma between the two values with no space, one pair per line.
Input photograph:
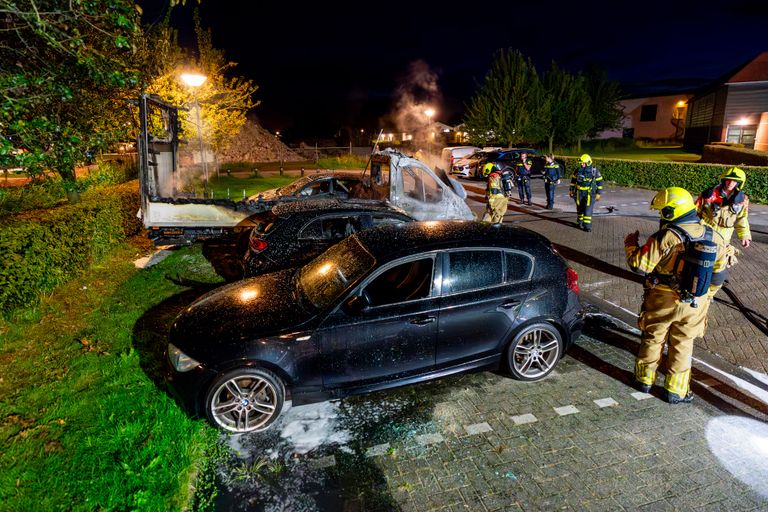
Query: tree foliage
[65,71]
[508,103]
[513,105]
[223,100]
[570,116]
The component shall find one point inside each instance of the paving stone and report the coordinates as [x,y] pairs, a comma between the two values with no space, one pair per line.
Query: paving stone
[605,402]
[478,428]
[523,419]
[379,449]
[639,395]
[324,462]
[565,410]
[428,439]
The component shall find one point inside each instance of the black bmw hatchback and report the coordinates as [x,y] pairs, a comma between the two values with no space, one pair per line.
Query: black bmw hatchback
[388,306]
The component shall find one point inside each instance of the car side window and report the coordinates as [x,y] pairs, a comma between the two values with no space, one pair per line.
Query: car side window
[405,282]
[519,266]
[332,228]
[472,270]
[316,188]
[412,185]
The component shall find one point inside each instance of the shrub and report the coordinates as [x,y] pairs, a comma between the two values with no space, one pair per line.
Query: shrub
[343,162]
[45,248]
[694,177]
[36,195]
[733,155]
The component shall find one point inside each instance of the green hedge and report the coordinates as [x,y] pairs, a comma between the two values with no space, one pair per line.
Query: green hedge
[729,155]
[43,249]
[694,177]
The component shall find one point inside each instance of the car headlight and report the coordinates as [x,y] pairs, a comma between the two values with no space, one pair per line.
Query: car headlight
[179,360]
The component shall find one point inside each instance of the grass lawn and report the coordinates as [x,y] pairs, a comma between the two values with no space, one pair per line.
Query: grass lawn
[237,187]
[85,423]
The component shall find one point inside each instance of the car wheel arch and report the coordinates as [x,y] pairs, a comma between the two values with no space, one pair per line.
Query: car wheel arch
[288,382]
[547,321]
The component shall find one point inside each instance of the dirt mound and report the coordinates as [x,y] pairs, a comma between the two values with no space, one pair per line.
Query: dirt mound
[255,144]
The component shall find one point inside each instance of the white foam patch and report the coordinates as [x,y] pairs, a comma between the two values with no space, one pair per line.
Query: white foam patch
[307,427]
[757,375]
[756,391]
[153,259]
[741,446]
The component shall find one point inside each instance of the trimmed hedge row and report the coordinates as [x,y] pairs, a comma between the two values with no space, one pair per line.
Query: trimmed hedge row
[694,177]
[729,155]
[43,249]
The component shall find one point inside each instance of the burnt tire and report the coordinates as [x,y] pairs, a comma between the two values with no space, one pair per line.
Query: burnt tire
[245,400]
[534,352]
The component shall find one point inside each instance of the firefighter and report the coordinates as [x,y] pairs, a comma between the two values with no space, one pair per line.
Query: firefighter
[725,207]
[669,314]
[523,178]
[586,186]
[497,201]
[552,174]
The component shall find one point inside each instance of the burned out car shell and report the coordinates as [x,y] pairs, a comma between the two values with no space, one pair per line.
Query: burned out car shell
[329,352]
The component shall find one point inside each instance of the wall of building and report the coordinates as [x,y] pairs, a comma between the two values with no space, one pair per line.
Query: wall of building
[668,123]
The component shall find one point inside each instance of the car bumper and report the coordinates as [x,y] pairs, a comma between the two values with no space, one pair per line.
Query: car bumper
[573,319]
[189,387]
[462,172]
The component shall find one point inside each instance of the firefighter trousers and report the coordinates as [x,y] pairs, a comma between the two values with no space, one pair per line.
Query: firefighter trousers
[585,203]
[495,209]
[664,319]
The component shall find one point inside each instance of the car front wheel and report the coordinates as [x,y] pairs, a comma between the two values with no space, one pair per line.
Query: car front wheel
[534,352]
[245,400]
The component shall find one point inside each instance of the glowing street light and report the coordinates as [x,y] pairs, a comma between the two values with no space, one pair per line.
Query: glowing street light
[193,81]
[429,113]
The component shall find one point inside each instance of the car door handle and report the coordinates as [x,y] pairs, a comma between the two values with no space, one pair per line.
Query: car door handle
[424,320]
[510,304]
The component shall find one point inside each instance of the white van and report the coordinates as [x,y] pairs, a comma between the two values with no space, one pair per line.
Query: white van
[450,154]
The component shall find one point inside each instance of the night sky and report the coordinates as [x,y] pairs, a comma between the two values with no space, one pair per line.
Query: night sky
[329,67]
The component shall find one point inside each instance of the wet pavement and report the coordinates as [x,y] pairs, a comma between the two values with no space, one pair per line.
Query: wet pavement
[582,439]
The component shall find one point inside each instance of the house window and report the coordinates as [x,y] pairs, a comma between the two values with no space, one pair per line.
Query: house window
[740,134]
[648,112]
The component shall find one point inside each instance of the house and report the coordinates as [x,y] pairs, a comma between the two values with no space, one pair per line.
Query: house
[653,118]
[733,109]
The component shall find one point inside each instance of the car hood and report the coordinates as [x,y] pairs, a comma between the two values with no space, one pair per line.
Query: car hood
[266,195]
[241,311]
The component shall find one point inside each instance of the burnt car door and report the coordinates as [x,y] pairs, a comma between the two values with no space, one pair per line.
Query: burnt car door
[385,330]
[483,293]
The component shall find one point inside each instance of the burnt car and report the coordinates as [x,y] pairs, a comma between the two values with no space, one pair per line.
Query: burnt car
[291,234]
[319,185]
[385,307]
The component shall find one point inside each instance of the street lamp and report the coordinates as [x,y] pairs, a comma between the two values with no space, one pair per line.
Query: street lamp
[194,80]
[429,113]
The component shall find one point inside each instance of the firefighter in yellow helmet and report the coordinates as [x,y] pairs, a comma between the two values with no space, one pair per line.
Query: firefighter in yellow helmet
[494,192]
[725,206]
[586,186]
[684,263]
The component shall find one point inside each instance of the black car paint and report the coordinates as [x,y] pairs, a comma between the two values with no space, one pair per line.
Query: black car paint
[285,249]
[317,355]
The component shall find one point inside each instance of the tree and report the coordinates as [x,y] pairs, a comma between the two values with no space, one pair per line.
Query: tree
[570,117]
[66,69]
[605,94]
[508,104]
[224,101]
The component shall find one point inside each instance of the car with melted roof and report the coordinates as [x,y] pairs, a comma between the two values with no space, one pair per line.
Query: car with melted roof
[385,307]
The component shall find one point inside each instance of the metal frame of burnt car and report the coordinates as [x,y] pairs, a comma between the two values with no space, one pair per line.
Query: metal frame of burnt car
[324,331]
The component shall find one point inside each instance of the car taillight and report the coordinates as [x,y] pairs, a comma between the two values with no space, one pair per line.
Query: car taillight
[572,280]
[257,244]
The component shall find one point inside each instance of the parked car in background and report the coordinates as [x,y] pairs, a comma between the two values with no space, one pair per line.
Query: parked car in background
[472,166]
[291,234]
[385,307]
[450,154]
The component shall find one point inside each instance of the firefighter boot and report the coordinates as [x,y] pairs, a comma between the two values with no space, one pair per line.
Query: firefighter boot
[674,398]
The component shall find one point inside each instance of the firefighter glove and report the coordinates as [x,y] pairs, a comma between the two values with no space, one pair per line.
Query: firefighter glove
[597,197]
[632,239]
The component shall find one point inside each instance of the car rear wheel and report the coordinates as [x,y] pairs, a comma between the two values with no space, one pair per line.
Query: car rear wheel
[534,352]
[245,400]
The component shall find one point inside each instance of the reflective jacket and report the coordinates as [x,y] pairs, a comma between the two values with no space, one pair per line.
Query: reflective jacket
[587,178]
[657,257]
[552,172]
[724,214]
[521,172]
[494,185]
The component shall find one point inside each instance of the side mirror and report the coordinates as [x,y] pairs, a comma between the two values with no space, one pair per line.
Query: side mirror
[356,304]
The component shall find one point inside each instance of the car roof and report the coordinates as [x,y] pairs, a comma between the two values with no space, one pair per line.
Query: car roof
[334,205]
[332,174]
[393,241]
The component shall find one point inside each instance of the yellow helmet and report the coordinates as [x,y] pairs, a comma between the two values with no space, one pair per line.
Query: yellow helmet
[735,174]
[673,202]
[488,168]
[586,159]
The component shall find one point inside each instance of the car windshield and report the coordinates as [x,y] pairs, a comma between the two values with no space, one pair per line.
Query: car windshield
[324,279]
[294,187]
